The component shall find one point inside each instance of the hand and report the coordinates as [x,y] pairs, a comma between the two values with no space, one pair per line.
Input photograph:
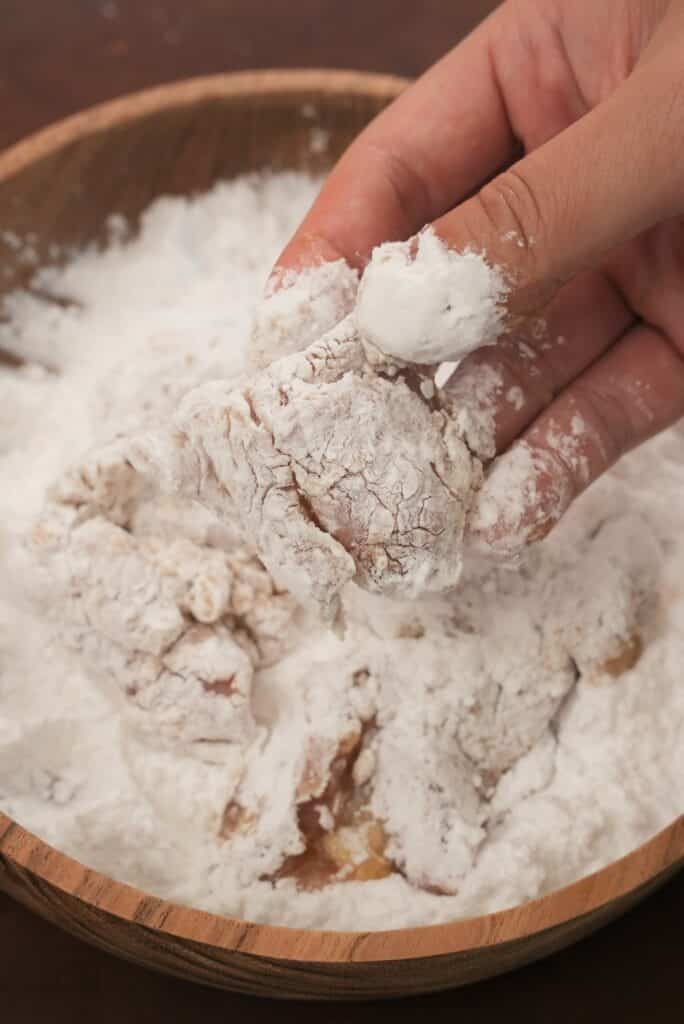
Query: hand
[588,224]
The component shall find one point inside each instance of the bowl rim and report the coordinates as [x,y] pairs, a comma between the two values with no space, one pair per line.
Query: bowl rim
[21,849]
[661,855]
[341,83]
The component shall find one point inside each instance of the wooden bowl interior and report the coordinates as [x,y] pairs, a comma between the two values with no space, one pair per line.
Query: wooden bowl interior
[58,188]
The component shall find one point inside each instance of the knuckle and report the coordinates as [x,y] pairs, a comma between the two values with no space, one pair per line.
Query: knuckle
[608,419]
[512,207]
[409,188]
[527,368]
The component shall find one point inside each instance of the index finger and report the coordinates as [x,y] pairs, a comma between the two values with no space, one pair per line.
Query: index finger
[433,146]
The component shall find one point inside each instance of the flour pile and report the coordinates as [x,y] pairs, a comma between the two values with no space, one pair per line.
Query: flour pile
[172,710]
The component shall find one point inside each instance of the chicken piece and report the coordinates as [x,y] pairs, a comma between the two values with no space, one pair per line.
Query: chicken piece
[466,690]
[177,625]
[169,517]
[511,649]
[108,585]
[335,467]
[305,306]
[302,809]
[202,694]
[358,851]
[508,710]
[184,683]
[607,599]
[343,841]
[432,814]
[104,483]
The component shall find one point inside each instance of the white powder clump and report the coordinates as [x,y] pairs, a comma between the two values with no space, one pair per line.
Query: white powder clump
[172,715]
[516,398]
[429,305]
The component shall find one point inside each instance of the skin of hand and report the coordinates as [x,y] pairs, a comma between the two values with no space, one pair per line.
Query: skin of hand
[551,139]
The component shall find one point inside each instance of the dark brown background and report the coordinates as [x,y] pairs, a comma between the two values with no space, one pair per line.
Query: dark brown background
[57,56]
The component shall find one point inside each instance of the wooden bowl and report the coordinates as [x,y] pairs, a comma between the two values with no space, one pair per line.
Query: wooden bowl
[60,185]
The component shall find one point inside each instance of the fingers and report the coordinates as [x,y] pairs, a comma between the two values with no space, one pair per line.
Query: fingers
[504,387]
[550,216]
[634,391]
[587,190]
[434,145]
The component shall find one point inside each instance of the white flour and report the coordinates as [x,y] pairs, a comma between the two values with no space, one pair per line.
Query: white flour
[429,305]
[171,717]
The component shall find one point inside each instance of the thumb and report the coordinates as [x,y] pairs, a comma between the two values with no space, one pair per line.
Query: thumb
[604,180]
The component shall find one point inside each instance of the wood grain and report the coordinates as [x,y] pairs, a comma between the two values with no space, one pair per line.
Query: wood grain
[60,186]
[302,964]
[628,972]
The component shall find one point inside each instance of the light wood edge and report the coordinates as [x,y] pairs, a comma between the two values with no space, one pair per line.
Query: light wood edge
[663,852]
[273,82]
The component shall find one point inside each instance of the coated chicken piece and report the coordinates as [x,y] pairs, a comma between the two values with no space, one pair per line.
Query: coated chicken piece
[448,734]
[603,623]
[321,816]
[336,467]
[305,305]
[177,623]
